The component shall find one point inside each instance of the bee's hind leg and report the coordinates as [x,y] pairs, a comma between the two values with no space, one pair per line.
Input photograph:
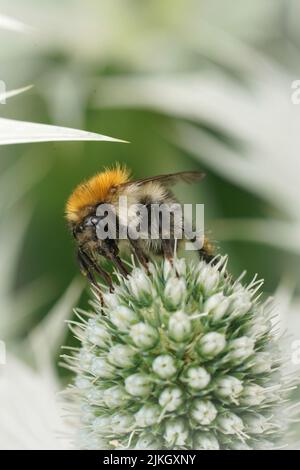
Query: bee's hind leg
[207,253]
[204,249]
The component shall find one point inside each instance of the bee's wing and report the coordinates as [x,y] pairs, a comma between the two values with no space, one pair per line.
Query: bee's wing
[170,179]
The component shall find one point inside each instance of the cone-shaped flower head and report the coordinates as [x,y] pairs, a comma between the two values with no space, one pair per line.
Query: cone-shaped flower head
[182,358]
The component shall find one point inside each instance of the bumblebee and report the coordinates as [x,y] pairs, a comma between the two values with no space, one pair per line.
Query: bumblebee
[86,218]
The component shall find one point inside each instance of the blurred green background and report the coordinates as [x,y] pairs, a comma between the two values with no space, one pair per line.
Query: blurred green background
[191,84]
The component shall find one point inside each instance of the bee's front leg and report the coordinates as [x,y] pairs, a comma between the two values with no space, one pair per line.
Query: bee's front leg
[87,264]
[85,268]
[109,249]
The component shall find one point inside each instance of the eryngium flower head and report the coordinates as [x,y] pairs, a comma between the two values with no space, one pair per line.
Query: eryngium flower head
[182,358]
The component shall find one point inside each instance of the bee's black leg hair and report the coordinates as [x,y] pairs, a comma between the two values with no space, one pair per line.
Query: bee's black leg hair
[204,255]
[84,268]
[207,256]
[139,253]
[111,252]
[86,262]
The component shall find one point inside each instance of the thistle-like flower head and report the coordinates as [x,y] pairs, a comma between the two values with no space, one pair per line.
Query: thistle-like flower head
[182,358]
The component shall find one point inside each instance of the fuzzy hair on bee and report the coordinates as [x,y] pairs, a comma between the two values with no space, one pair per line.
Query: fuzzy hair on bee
[83,213]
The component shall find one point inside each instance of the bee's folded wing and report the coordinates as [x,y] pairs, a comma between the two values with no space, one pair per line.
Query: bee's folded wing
[171,178]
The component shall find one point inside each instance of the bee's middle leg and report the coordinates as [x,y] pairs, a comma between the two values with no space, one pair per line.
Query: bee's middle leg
[139,253]
[168,248]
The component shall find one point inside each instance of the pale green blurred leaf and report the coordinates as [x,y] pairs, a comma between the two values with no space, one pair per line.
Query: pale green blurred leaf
[284,235]
[17,306]
[48,336]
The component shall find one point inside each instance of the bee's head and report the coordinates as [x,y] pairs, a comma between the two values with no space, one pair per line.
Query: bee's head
[82,222]
[96,190]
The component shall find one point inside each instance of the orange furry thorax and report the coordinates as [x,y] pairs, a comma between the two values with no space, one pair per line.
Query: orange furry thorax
[93,192]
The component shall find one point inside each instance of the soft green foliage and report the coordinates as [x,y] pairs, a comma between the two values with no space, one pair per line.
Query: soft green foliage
[183,358]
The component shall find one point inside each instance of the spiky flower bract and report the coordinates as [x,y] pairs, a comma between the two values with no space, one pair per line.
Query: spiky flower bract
[181,358]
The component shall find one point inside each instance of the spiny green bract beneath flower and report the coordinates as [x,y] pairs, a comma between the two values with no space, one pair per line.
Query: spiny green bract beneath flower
[183,358]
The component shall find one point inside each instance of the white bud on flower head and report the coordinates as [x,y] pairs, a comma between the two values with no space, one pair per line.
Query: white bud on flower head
[147,415]
[96,333]
[95,395]
[144,335]
[252,395]
[175,291]
[138,385]
[88,440]
[211,344]
[147,442]
[110,300]
[264,444]
[82,382]
[213,301]
[101,368]
[179,327]
[262,363]
[180,266]
[203,411]
[139,283]
[240,349]
[205,441]
[240,303]
[230,423]
[101,424]
[256,423]
[228,388]
[122,356]
[115,396]
[176,432]
[259,327]
[122,423]
[85,359]
[196,377]
[122,317]
[168,268]
[164,366]
[87,414]
[171,398]
[177,267]
[239,445]
[217,306]
[208,279]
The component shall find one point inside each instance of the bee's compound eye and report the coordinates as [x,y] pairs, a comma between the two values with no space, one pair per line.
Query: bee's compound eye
[77,229]
[91,221]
